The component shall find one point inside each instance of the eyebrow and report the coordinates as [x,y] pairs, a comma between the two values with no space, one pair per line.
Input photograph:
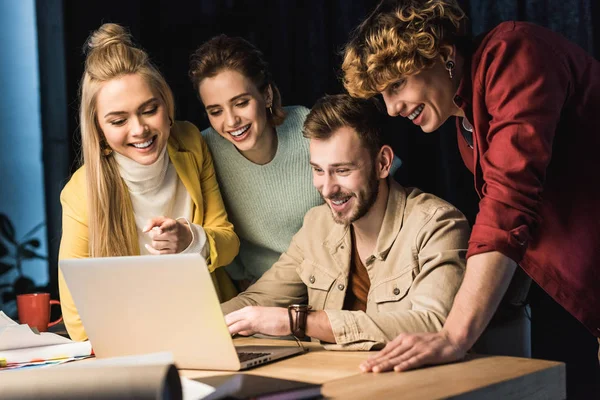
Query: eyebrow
[144,104]
[234,98]
[336,165]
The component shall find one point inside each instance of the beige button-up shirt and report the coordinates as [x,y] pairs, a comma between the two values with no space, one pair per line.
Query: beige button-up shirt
[415,271]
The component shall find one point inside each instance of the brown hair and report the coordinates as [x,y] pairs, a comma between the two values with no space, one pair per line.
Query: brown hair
[400,37]
[333,112]
[235,53]
[110,54]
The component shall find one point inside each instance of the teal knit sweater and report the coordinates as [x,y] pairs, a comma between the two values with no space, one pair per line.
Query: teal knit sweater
[265,203]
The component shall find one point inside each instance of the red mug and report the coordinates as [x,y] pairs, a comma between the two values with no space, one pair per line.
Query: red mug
[34,310]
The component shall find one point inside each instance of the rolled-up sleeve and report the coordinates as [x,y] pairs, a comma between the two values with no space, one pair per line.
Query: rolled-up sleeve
[280,286]
[525,85]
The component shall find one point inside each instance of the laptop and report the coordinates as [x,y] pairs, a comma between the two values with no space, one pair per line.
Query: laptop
[147,304]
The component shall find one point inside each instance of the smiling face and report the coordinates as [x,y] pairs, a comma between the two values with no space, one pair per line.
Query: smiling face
[426,98]
[344,174]
[237,109]
[133,118]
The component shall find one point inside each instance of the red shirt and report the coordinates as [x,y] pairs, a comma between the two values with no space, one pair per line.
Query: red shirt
[533,99]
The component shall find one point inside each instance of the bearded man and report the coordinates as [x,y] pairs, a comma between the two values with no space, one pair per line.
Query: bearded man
[376,260]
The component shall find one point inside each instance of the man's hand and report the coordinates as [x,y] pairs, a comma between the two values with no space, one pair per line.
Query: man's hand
[168,236]
[249,320]
[412,351]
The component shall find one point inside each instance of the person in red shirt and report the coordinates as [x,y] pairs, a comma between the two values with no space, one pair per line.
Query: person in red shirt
[527,108]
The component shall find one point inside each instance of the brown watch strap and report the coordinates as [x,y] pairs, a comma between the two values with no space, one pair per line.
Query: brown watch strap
[298,314]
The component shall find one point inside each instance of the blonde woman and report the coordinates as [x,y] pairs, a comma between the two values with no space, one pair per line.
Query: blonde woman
[147,184]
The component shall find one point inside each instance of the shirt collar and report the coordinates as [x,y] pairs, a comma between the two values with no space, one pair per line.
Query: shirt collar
[392,220]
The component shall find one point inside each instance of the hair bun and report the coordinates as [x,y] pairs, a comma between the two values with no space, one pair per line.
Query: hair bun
[108,35]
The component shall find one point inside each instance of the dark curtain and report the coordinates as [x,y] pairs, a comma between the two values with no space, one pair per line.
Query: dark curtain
[302,41]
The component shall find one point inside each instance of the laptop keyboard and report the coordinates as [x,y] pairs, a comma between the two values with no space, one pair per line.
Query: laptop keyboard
[247,356]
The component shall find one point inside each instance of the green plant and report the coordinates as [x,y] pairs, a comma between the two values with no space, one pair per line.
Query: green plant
[13,252]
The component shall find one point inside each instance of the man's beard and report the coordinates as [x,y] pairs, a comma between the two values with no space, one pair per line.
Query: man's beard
[365,201]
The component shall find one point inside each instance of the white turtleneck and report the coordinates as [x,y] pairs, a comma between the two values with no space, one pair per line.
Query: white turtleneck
[156,190]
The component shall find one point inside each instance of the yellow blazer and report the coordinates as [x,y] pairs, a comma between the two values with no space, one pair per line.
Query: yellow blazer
[193,162]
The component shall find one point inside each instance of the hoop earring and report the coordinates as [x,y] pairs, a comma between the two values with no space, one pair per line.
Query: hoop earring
[107,151]
[271,110]
[450,68]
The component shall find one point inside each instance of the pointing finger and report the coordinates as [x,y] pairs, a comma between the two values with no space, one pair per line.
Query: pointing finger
[154,222]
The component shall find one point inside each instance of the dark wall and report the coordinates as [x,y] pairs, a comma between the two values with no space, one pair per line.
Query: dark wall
[299,38]
[302,40]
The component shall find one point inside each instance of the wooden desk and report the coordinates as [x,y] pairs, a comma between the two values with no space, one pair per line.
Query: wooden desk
[480,377]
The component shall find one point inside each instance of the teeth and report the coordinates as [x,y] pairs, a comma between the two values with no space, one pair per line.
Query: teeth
[416,113]
[143,145]
[340,202]
[240,131]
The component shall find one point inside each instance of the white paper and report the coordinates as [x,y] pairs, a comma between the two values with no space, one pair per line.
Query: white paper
[38,364]
[55,352]
[14,336]
[20,344]
[22,337]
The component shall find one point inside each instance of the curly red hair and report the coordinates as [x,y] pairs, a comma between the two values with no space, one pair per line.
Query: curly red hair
[400,37]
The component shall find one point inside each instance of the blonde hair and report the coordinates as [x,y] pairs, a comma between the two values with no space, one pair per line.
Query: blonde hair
[237,54]
[400,38]
[111,224]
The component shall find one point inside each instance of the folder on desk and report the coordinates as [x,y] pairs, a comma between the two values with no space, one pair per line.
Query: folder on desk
[19,344]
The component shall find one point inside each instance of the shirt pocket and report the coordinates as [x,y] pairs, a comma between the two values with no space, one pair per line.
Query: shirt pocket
[318,282]
[388,294]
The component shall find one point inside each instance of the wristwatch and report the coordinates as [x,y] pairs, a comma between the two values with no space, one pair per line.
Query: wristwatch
[298,314]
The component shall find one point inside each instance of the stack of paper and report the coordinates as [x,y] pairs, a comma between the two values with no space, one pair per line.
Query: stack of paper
[21,346]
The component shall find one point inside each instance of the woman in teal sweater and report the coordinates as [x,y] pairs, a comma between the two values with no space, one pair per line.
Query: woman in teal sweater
[261,158]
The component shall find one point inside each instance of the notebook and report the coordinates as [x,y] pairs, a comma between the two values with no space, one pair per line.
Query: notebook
[148,304]
[249,386]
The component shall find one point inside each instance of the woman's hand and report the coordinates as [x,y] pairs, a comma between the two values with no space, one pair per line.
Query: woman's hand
[168,236]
